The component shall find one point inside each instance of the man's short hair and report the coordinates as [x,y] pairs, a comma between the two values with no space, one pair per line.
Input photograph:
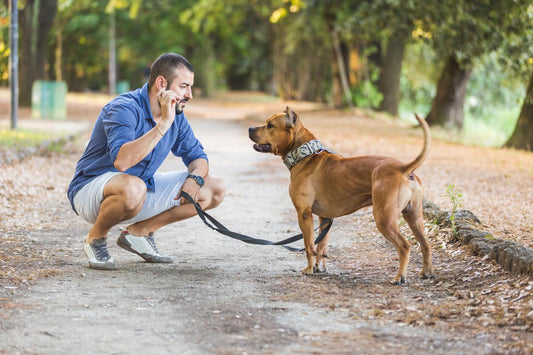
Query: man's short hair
[166,66]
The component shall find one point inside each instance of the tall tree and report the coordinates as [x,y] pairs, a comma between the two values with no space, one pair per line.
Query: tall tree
[301,51]
[36,19]
[447,107]
[516,53]
[391,69]
[522,137]
[462,31]
[391,30]
[314,31]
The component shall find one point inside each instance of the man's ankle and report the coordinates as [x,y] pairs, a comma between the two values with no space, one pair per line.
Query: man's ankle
[90,238]
[137,232]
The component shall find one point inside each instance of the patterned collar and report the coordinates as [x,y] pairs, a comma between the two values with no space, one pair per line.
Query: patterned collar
[303,151]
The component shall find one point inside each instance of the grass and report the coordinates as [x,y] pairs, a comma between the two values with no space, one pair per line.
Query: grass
[22,138]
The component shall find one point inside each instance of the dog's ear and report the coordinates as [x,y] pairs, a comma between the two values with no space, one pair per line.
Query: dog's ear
[291,117]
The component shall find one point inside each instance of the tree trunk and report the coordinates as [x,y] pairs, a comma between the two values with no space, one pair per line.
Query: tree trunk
[389,80]
[336,86]
[298,79]
[58,65]
[447,107]
[341,68]
[522,137]
[36,20]
[112,74]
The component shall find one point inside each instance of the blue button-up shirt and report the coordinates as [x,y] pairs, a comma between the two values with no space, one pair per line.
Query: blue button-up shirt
[123,120]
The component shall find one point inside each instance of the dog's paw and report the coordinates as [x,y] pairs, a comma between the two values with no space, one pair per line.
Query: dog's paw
[398,281]
[317,270]
[307,271]
[426,275]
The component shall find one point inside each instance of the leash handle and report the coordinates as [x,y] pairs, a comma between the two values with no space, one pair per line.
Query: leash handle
[219,227]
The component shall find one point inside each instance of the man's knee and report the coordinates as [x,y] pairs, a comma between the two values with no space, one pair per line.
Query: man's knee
[130,190]
[134,194]
[218,191]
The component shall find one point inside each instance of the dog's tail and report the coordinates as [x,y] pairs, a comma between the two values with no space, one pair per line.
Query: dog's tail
[421,158]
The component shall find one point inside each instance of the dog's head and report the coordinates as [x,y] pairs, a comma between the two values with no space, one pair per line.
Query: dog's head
[277,134]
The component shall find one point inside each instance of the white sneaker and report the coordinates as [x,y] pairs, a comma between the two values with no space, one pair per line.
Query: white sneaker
[98,255]
[143,246]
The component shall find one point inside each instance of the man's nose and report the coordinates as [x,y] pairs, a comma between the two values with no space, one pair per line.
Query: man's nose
[188,93]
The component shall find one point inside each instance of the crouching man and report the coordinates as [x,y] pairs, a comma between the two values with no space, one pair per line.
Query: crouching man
[116,180]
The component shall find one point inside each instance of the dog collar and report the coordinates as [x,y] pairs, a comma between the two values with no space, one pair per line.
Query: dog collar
[302,152]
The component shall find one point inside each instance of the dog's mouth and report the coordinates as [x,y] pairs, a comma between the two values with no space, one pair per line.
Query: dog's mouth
[263,148]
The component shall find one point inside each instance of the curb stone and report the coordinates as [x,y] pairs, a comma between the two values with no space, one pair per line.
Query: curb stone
[511,256]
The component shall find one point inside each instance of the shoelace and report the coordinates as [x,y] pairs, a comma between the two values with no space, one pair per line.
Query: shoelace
[101,251]
[151,240]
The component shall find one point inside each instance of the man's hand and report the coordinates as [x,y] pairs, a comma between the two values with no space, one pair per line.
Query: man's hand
[199,167]
[192,188]
[168,101]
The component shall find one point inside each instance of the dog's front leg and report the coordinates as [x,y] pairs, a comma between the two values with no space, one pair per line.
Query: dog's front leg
[305,220]
[322,249]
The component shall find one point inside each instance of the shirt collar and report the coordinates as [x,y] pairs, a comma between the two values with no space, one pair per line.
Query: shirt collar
[145,99]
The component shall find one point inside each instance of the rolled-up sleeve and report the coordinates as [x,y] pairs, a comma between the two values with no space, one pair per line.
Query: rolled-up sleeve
[187,146]
[119,124]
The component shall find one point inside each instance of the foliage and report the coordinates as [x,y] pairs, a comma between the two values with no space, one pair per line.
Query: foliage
[467,32]
[494,95]
[456,200]
[4,45]
[302,55]
[254,44]
[238,32]
[473,28]
[366,95]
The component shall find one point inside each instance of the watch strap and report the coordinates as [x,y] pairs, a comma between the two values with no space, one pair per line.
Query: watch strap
[198,179]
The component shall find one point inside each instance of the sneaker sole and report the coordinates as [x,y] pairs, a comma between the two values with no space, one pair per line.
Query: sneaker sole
[102,266]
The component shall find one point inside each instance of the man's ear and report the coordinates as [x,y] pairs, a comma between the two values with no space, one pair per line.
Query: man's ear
[161,83]
[291,117]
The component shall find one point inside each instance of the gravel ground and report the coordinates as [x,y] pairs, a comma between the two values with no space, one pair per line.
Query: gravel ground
[226,297]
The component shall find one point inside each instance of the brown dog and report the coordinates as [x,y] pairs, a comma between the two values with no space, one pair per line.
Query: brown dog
[330,186]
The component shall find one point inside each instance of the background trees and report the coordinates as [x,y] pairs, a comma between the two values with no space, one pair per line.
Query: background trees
[35,21]
[449,59]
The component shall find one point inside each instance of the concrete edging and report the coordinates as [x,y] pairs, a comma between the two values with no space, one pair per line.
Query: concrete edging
[511,256]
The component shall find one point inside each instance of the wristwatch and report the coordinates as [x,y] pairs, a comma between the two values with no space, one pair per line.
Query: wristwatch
[199,180]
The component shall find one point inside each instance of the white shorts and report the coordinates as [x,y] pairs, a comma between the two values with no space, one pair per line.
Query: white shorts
[167,185]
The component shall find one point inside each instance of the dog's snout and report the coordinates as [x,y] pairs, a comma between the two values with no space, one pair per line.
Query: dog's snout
[251,132]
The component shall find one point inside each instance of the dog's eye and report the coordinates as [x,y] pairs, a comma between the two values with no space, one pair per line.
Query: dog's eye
[270,125]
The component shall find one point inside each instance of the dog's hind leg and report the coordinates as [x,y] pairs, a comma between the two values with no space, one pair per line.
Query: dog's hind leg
[387,223]
[390,230]
[322,249]
[415,220]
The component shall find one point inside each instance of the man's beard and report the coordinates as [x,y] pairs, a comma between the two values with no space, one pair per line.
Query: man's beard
[177,109]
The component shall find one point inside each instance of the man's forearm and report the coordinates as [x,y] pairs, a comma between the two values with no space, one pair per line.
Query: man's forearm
[199,167]
[133,152]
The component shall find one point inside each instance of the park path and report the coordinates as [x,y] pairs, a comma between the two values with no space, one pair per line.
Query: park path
[226,297]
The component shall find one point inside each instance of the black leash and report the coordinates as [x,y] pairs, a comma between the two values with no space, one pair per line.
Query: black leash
[219,227]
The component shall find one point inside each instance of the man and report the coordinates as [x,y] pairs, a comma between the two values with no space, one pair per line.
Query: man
[116,180]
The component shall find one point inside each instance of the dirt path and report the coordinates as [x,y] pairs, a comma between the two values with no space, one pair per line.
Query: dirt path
[227,297]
